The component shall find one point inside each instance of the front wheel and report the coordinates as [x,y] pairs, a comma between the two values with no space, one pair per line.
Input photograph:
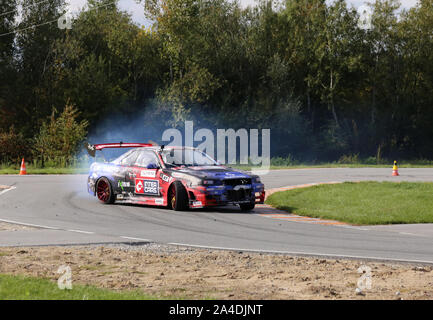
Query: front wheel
[247,206]
[178,197]
[104,191]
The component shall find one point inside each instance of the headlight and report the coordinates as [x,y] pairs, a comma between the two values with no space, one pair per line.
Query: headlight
[194,181]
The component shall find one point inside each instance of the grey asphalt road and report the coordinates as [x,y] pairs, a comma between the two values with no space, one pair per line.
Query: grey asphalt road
[63,212]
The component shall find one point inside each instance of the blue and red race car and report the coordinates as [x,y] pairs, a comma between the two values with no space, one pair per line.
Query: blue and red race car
[177,177]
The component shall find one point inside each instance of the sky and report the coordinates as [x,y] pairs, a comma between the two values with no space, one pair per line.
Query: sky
[137,12]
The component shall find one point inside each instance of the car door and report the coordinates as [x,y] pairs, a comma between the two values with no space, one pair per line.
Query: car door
[127,164]
[146,174]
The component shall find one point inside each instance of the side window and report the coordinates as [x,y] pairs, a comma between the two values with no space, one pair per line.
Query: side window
[129,159]
[146,159]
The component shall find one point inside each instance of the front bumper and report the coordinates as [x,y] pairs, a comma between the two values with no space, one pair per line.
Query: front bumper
[209,196]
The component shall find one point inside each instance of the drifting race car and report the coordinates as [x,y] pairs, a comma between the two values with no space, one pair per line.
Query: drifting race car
[177,177]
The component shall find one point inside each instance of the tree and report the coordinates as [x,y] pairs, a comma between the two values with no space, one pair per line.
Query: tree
[59,138]
[8,12]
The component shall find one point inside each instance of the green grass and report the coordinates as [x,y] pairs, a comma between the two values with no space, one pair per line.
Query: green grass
[27,288]
[363,203]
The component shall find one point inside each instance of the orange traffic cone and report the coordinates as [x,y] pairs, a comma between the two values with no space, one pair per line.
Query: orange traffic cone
[23,170]
[395,169]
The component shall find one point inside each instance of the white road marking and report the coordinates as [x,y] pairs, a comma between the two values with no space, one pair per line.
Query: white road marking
[80,231]
[43,227]
[408,233]
[6,190]
[139,239]
[303,253]
[29,224]
[356,228]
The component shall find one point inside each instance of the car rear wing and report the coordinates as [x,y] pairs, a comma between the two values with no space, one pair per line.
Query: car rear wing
[92,148]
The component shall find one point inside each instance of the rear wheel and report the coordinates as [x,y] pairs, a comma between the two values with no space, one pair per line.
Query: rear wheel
[178,197]
[247,206]
[104,191]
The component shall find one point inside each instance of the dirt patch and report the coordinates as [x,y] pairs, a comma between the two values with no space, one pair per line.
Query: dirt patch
[197,274]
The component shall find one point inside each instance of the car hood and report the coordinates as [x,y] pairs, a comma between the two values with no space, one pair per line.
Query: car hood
[214,172]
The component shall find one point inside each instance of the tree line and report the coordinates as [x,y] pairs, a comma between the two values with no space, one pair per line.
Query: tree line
[326,87]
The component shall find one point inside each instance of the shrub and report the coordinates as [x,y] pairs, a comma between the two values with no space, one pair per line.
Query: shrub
[370,160]
[59,138]
[13,146]
[280,161]
[349,159]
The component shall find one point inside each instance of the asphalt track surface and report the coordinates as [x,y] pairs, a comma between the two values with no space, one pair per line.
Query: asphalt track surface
[62,213]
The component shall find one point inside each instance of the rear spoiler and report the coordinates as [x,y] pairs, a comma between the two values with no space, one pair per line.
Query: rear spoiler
[92,148]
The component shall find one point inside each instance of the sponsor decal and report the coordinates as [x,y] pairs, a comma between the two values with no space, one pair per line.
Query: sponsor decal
[124,184]
[149,187]
[148,173]
[159,201]
[197,204]
[166,178]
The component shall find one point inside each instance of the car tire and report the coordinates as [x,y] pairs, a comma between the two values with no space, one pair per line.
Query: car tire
[104,191]
[247,206]
[178,197]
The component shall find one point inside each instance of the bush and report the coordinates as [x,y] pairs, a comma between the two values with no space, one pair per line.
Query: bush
[375,160]
[59,138]
[280,161]
[349,159]
[13,146]
[370,160]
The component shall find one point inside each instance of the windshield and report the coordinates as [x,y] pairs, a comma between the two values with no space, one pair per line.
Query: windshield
[187,157]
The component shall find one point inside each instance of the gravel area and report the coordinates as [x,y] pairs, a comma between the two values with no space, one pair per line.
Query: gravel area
[171,271]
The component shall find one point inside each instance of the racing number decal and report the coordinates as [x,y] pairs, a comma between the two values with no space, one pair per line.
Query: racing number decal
[148,187]
[165,178]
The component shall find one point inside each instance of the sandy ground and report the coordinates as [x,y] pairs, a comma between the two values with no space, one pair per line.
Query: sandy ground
[198,273]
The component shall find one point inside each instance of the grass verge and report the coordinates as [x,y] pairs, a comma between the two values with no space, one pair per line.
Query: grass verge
[29,288]
[363,203]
